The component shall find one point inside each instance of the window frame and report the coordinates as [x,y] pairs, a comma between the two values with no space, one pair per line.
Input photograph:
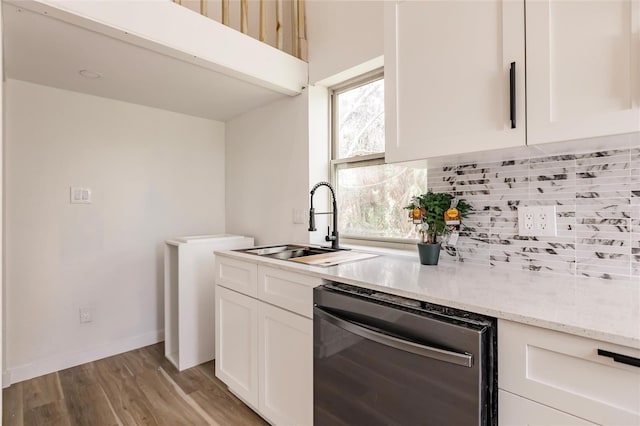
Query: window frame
[358,160]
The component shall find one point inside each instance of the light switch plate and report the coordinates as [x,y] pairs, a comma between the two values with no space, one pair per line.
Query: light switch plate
[80,195]
[298,216]
[537,221]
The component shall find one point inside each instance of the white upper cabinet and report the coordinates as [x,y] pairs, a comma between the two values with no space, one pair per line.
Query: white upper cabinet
[448,77]
[583,73]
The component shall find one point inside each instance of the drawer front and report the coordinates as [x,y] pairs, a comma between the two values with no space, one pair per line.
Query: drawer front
[237,275]
[515,411]
[565,372]
[287,290]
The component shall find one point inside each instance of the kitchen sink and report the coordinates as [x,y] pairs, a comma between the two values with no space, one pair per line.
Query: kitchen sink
[306,254]
[286,252]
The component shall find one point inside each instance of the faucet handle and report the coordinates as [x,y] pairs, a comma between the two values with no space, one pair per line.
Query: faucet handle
[329,237]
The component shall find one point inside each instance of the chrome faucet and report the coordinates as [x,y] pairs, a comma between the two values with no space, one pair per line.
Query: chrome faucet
[333,237]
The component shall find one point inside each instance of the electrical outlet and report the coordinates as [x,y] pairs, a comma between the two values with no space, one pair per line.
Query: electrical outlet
[537,221]
[545,221]
[85,315]
[528,221]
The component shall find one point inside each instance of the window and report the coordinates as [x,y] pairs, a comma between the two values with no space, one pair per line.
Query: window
[370,194]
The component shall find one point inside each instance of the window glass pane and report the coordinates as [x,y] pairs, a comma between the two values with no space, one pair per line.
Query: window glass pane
[371,200]
[361,120]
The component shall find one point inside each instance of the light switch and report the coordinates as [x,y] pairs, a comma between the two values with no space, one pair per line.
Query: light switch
[80,195]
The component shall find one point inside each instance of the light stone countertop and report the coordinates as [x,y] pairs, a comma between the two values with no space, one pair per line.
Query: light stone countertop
[590,307]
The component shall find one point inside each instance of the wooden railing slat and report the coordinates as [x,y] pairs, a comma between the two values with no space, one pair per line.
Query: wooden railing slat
[302,31]
[244,16]
[299,44]
[279,32]
[294,29]
[263,26]
[225,12]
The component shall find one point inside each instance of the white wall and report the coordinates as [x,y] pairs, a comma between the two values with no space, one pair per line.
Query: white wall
[154,175]
[318,160]
[277,152]
[268,172]
[2,321]
[343,34]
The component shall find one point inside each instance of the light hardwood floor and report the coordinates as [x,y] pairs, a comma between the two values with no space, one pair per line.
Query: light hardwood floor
[135,388]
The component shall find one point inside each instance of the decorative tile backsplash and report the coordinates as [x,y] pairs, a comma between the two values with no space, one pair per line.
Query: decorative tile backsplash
[597,195]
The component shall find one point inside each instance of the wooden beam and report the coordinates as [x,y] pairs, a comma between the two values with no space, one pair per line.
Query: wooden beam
[178,1]
[263,27]
[203,7]
[225,12]
[244,16]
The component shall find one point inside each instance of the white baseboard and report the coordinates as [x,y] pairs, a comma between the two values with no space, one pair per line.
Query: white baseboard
[71,359]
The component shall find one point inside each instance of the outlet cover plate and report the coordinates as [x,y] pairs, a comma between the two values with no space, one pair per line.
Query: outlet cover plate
[85,315]
[537,221]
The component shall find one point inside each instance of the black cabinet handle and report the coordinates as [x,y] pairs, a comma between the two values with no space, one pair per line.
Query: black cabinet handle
[512,94]
[624,359]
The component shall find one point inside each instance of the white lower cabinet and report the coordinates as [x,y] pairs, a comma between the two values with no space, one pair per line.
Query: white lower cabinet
[237,343]
[285,366]
[514,410]
[264,348]
[566,373]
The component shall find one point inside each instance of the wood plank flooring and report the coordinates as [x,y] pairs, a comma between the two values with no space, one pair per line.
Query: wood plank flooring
[135,388]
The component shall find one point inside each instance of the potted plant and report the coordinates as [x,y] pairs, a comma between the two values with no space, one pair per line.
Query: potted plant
[427,211]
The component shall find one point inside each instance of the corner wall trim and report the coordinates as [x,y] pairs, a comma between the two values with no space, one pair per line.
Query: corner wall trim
[71,359]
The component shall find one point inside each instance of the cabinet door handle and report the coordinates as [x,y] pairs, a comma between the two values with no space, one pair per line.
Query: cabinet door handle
[512,94]
[624,359]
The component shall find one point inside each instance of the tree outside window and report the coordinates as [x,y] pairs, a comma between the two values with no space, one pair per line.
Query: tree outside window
[371,195]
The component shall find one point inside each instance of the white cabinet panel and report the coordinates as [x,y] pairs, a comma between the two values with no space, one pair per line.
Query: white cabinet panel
[565,372]
[237,275]
[287,289]
[189,281]
[237,343]
[517,411]
[285,353]
[447,73]
[583,73]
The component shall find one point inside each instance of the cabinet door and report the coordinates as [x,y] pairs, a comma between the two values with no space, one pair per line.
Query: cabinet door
[514,410]
[583,73]
[447,77]
[237,343]
[568,373]
[285,351]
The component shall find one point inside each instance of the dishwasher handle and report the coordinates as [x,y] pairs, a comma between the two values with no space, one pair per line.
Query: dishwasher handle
[462,359]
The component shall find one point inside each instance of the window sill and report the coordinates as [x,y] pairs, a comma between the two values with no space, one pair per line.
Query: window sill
[401,250]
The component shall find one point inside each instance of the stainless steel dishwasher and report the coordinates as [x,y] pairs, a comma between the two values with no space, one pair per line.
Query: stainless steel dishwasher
[381,359]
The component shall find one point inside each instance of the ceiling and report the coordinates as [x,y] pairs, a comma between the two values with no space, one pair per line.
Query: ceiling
[44,50]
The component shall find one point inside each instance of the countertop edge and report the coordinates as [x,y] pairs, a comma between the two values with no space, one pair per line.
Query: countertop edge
[331,274]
